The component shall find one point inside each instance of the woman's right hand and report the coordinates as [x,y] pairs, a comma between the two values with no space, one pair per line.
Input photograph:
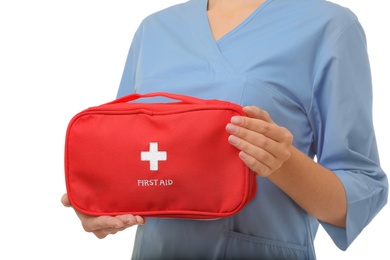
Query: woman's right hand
[102,226]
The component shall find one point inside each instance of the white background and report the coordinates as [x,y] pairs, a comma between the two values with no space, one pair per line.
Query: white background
[59,57]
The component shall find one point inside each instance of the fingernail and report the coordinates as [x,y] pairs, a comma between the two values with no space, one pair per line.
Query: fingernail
[238,120]
[243,155]
[233,140]
[231,128]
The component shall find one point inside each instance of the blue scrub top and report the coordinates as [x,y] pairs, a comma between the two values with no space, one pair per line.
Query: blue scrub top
[303,61]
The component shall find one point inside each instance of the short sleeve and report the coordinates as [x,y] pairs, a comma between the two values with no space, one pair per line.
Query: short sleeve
[341,115]
[127,83]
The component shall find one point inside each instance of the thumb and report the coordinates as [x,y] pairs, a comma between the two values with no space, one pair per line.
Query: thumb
[65,200]
[255,112]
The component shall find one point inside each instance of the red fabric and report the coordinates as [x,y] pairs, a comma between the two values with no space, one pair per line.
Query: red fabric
[199,173]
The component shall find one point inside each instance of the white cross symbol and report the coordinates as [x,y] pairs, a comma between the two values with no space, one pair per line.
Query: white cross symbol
[153,156]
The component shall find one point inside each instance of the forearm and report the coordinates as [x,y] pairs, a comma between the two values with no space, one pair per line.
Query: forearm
[315,188]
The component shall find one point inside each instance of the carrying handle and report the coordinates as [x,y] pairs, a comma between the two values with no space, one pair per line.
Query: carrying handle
[135,96]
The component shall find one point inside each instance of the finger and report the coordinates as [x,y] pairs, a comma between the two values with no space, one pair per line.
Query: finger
[259,168]
[131,219]
[91,224]
[259,154]
[278,150]
[254,165]
[252,137]
[108,231]
[103,233]
[128,220]
[141,220]
[254,125]
[270,130]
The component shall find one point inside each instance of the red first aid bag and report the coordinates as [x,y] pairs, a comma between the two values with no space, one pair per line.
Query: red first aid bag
[169,159]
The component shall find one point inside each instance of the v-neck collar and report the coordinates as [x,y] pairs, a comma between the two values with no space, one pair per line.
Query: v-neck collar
[235,29]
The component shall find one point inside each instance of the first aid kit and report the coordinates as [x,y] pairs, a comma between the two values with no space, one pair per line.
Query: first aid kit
[160,159]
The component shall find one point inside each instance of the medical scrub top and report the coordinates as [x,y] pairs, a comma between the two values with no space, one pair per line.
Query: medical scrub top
[303,61]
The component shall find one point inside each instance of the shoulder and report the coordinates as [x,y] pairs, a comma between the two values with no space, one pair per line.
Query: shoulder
[169,24]
[318,18]
[326,11]
[171,14]
[312,11]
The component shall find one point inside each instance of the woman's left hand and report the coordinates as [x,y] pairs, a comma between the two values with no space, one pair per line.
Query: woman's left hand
[264,146]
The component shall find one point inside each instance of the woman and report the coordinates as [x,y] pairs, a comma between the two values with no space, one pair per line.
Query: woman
[301,70]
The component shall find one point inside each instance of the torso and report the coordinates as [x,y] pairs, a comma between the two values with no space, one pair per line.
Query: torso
[250,65]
